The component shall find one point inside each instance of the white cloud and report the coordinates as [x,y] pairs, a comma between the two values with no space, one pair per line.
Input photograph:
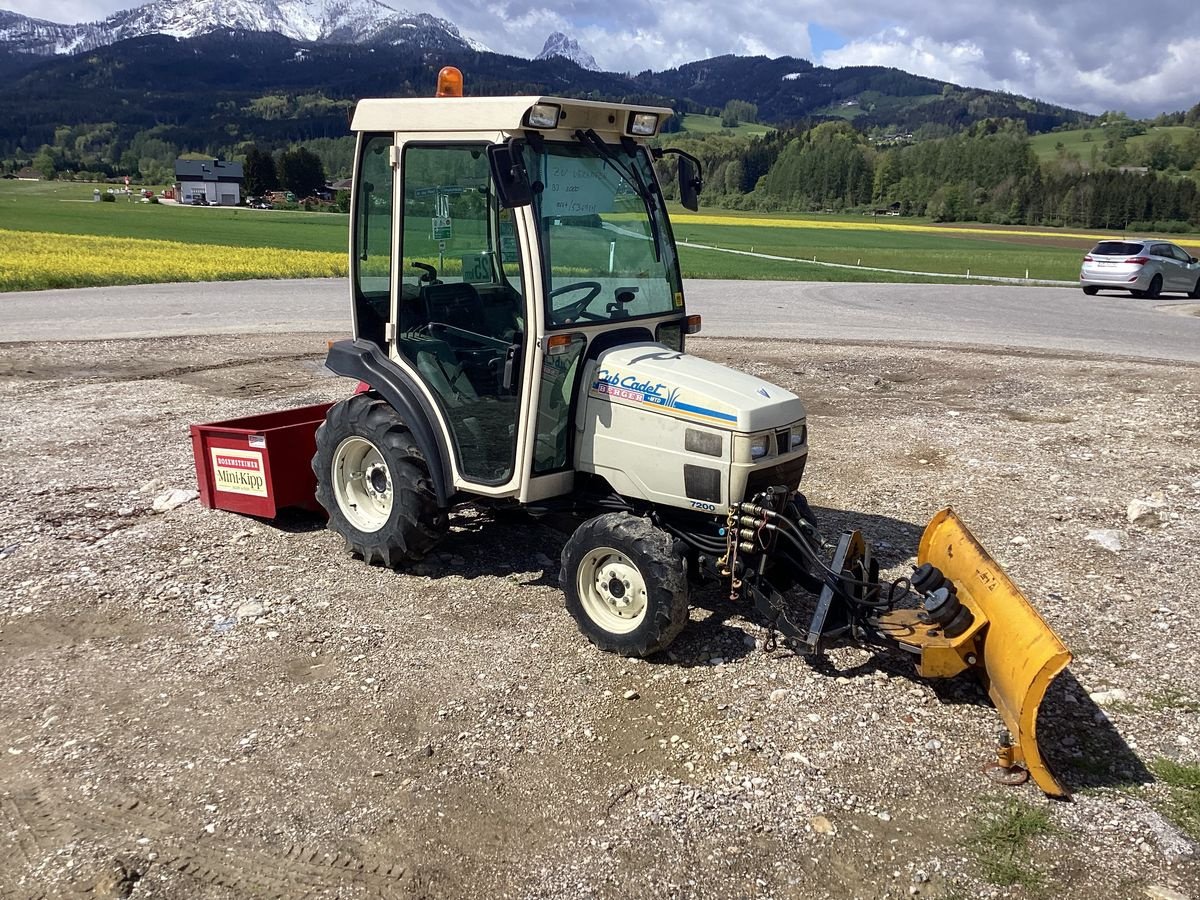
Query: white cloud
[627,36]
[68,11]
[1052,74]
[1090,54]
[960,62]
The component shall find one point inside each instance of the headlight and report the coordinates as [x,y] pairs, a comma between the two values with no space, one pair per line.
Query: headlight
[799,436]
[760,446]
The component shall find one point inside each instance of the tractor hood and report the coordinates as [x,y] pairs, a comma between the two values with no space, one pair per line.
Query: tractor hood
[652,376]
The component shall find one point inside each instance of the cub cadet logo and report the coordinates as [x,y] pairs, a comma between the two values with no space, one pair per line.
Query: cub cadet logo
[628,387]
[239,472]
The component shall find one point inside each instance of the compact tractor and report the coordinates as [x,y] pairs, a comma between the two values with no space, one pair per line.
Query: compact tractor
[520,336]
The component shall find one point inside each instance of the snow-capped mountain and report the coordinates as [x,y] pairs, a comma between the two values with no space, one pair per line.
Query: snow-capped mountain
[558,44]
[43,38]
[342,21]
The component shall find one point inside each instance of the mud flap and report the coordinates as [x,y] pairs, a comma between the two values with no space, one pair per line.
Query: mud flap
[1018,653]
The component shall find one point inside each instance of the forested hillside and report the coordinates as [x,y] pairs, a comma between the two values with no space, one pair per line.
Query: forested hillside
[988,173]
[148,99]
[787,89]
[859,138]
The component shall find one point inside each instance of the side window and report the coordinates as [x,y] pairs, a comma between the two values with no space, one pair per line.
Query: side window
[373,238]
[461,308]
[1180,254]
[1160,250]
[455,233]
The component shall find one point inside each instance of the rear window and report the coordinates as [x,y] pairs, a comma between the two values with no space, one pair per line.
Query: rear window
[1116,248]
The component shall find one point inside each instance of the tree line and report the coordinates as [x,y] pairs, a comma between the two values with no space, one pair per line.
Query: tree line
[987,173]
[94,152]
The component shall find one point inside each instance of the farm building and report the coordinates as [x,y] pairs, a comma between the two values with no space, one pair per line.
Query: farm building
[217,181]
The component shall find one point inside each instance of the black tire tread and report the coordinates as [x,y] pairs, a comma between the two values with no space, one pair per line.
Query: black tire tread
[1155,288]
[417,524]
[654,553]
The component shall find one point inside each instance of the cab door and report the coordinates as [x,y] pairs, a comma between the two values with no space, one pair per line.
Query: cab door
[460,306]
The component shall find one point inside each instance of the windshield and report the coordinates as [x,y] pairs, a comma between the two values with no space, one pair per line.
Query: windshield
[605,239]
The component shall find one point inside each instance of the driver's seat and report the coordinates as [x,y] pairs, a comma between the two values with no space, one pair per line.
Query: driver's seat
[441,370]
[456,304]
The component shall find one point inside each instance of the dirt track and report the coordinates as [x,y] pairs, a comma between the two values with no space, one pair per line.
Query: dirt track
[447,733]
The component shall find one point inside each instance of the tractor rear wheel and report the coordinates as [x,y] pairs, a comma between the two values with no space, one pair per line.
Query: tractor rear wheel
[625,584]
[375,484]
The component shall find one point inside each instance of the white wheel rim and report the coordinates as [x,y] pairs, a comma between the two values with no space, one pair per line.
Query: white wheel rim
[362,484]
[612,590]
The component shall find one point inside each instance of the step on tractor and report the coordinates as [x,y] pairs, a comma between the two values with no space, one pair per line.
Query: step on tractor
[520,340]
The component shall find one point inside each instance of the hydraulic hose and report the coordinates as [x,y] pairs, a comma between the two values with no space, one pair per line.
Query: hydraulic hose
[699,541]
[837,581]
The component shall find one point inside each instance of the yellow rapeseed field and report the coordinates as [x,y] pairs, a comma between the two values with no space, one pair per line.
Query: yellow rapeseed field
[680,219]
[34,260]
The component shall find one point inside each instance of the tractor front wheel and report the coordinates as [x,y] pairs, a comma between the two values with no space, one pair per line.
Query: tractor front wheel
[625,584]
[375,484]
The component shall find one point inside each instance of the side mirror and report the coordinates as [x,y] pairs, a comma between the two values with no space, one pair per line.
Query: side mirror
[509,175]
[1194,260]
[691,178]
[689,185]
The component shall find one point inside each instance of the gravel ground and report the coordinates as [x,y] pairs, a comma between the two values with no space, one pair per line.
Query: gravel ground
[197,704]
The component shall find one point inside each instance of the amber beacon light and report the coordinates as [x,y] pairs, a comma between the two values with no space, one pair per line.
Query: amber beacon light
[450,82]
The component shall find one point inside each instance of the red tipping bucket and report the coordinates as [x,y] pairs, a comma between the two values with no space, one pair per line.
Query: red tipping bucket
[258,465]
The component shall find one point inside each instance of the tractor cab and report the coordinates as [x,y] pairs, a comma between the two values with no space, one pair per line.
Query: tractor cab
[496,242]
[519,328]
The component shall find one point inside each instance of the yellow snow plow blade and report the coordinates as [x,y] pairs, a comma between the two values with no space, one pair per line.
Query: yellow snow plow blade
[1017,654]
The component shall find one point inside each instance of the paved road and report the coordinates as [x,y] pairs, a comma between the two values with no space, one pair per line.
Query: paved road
[985,315]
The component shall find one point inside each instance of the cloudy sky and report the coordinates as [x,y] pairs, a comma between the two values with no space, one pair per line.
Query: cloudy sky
[1094,55]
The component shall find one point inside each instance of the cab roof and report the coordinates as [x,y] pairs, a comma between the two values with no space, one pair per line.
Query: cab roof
[442,114]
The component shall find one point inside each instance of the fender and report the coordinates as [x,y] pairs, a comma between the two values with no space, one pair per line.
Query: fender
[366,362]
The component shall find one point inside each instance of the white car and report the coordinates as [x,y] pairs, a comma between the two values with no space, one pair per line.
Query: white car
[1143,266]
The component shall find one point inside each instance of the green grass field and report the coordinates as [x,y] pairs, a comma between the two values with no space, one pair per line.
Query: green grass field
[66,208]
[712,125]
[950,253]
[874,102]
[707,264]
[1045,145]
[61,208]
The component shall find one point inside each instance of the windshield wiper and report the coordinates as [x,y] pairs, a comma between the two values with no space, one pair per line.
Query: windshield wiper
[630,173]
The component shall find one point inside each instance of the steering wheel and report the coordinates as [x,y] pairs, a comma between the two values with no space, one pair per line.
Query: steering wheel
[579,308]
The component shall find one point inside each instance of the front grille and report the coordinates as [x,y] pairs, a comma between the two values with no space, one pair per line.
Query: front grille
[786,473]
